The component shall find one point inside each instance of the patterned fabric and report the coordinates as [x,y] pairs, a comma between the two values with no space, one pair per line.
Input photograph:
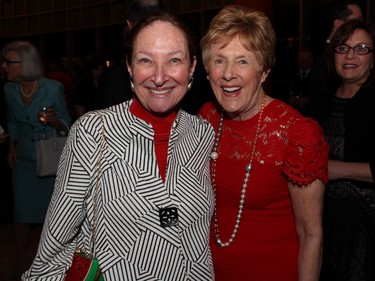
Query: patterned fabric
[290,148]
[334,129]
[130,243]
[349,213]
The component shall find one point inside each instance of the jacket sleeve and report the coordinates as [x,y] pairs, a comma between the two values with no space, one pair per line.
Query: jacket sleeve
[67,223]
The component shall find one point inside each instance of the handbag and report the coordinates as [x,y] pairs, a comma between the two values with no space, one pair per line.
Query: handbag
[48,152]
[85,267]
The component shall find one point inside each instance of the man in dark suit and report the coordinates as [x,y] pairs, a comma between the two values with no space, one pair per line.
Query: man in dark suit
[298,79]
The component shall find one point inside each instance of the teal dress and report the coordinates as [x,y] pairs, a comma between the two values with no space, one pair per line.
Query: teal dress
[31,194]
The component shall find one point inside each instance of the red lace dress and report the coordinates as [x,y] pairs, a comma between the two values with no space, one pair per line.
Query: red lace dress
[290,148]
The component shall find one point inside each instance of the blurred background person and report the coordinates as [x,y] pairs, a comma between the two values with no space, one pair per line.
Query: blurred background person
[6,207]
[349,125]
[3,110]
[337,13]
[297,81]
[88,88]
[269,163]
[56,70]
[26,93]
[155,210]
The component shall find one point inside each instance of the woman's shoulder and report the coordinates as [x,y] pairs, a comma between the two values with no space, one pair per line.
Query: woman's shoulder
[89,124]
[296,128]
[50,83]
[279,108]
[365,97]
[210,111]
[286,115]
[116,118]
[11,90]
[306,150]
[194,120]
[11,86]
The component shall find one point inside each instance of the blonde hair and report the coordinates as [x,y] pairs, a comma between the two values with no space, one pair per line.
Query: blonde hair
[253,27]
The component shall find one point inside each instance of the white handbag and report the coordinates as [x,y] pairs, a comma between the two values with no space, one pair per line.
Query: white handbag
[48,152]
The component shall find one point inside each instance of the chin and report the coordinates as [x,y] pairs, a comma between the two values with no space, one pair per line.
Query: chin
[162,111]
[230,107]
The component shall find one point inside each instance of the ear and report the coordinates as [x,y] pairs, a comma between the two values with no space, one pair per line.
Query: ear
[129,24]
[192,67]
[265,75]
[129,67]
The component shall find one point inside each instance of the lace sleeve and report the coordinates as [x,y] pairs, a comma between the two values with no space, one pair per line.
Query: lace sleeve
[306,155]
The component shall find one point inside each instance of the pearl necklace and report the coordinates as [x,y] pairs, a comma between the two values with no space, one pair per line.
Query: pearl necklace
[248,169]
[32,91]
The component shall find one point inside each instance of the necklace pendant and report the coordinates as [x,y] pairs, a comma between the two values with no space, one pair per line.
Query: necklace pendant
[214,155]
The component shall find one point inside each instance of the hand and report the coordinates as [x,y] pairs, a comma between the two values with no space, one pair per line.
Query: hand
[3,137]
[12,155]
[50,116]
[298,101]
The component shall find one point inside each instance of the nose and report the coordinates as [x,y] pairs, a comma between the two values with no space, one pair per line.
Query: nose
[350,53]
[160,75]
[229,71]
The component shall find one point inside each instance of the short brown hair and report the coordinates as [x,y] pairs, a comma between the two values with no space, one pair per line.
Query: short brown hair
[164,17]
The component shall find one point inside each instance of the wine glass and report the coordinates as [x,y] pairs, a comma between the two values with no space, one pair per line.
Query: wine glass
[42,118]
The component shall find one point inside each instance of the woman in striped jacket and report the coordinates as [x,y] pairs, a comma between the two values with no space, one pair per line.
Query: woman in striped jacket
[152,207]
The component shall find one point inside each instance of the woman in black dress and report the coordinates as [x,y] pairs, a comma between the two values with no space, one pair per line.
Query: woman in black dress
[349,125]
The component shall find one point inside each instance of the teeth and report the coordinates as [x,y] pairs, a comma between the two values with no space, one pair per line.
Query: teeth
[160,92]
[349,66]
[232,89]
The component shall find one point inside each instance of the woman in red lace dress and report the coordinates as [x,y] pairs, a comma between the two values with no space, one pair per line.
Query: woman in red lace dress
[269,163]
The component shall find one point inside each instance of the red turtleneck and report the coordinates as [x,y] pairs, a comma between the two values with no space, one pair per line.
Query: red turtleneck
[162,127]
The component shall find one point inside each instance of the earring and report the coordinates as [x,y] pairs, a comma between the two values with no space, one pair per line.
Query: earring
[190,83]
[131,83]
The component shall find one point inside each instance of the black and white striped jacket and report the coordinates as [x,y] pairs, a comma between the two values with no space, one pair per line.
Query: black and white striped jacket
[130,243]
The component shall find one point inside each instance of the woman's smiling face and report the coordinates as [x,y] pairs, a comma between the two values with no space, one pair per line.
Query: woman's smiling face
[160,67]
[353,68]
[236,78]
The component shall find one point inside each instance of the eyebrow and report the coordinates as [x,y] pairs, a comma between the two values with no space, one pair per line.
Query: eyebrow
[169,54]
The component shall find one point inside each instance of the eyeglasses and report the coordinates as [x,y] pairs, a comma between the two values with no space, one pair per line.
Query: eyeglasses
[10,62]
[360,49]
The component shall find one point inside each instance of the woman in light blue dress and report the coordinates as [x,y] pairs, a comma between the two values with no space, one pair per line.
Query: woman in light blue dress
[26,93]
